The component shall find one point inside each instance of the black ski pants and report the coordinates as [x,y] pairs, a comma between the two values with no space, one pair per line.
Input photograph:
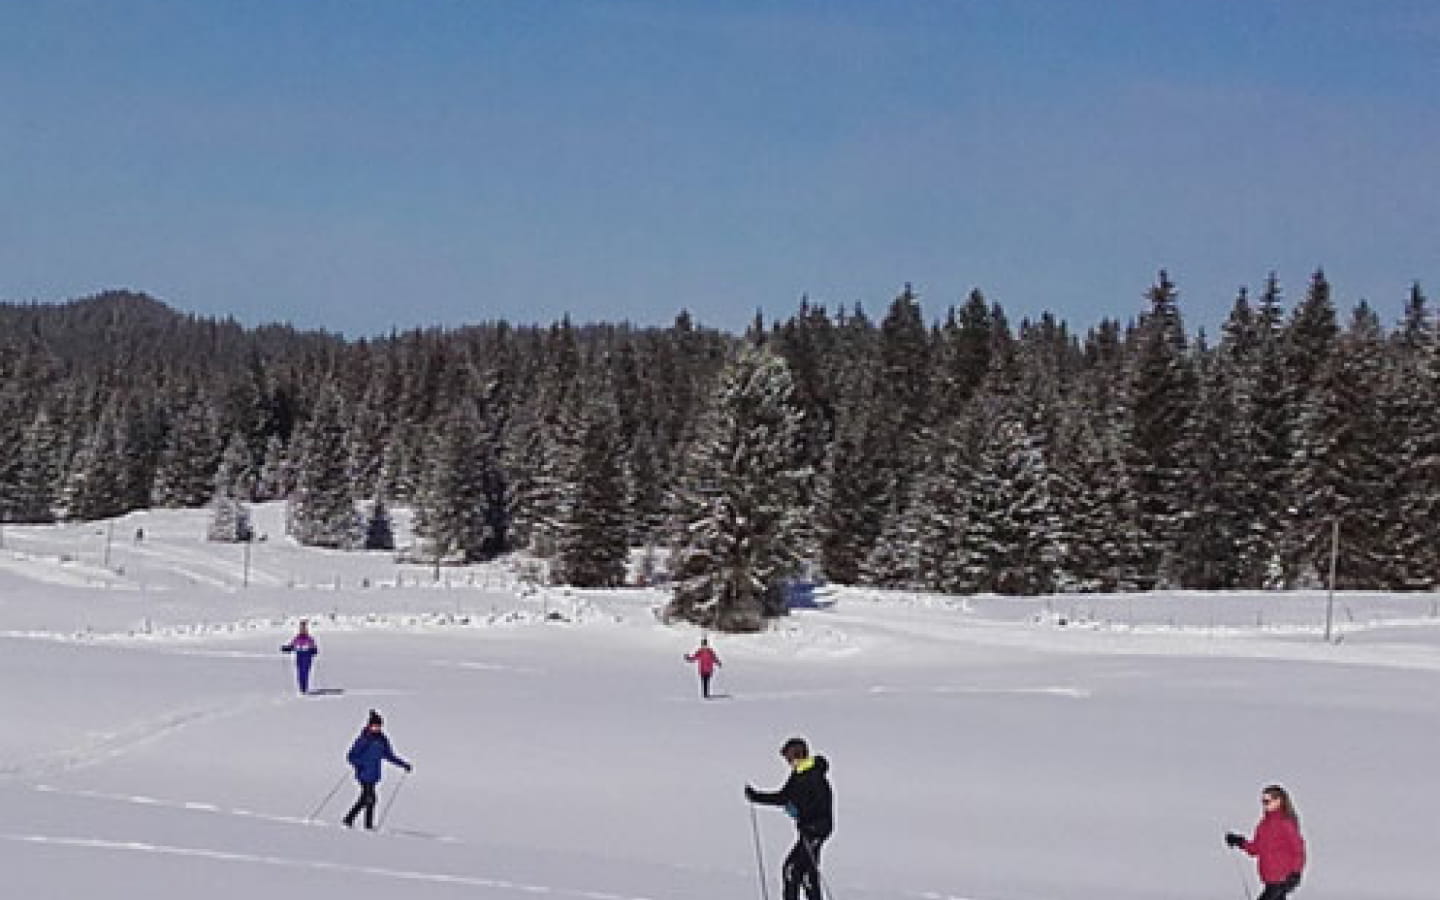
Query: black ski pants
[705,684]
[802,868]
[1274,891]
[366,803]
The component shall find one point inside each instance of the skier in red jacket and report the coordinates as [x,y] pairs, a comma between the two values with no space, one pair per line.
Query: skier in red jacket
[1277,846]
[707,662]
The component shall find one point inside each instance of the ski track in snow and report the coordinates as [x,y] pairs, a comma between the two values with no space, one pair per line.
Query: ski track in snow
[314,864]
[881,690]
[114,744]
[203,807]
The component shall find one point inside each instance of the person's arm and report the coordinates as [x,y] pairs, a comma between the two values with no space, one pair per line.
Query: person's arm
[771,798]
[395,760]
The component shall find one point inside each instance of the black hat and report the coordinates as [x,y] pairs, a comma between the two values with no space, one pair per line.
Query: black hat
[374,719]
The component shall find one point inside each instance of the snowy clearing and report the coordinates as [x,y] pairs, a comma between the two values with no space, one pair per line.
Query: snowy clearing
[980,748]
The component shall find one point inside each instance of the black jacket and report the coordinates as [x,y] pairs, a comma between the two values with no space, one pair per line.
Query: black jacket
[808,794]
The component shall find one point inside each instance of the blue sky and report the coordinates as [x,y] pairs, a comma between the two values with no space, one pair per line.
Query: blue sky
[360,165]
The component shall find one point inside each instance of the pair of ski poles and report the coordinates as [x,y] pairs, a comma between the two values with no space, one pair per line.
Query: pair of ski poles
[384,810]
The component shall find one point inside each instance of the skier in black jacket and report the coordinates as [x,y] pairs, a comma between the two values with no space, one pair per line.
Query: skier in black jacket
[807,798]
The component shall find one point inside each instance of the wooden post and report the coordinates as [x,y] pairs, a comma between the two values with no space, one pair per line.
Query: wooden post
[1334,557]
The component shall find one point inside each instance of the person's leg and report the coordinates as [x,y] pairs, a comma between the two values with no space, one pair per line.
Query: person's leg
[370,806]
[812,875]
[303,662]
[793,870]
[705,685]
[366,790]
[1276,891]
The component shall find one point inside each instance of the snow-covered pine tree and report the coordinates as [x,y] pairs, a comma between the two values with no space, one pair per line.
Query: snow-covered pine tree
[1106,548]
[1163,391]
[322,507]
[1274,427]
[92,488]
[1309,341]
[1416,385]
[1347,459]
[454,513]
[38,472]
[592,546]
[185,475]
[847,520]
[740,505]
[1218,540]
[229,519]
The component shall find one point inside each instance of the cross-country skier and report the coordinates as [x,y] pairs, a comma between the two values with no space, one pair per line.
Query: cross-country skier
[706,661]
[1277,846]
[304,648]
[806,796]
[370,749]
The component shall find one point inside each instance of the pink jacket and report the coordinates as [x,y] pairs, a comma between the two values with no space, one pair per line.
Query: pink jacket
[706,658]
[1277,847]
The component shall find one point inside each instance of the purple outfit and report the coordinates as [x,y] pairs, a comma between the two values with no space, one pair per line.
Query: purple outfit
[304,648]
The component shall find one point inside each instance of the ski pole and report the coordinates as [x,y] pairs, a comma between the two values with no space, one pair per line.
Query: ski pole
[1240,873]
[759,854]
[385,813]
[313,815]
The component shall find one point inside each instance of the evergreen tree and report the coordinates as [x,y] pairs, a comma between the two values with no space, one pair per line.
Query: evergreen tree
[740,510]
[186,472]
[38,473]
[229,520]
[1163,399]
[593,548]
[322,509]
[1416,387]
[456,509]
[92,488]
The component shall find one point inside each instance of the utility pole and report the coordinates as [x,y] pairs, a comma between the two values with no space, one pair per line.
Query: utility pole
[1334,557]
[109,533]
[245,578]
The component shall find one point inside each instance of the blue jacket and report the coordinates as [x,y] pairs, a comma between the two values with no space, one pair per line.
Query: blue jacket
[369,749]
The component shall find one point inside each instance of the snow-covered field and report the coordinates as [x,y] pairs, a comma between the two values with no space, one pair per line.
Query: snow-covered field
[152,744]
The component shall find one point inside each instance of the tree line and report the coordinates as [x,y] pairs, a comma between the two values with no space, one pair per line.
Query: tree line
[960,453]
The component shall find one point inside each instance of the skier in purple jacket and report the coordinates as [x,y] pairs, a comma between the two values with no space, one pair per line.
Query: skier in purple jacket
[305,650]
[370,749]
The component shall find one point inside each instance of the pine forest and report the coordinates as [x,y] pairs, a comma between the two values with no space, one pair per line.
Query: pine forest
[933,450]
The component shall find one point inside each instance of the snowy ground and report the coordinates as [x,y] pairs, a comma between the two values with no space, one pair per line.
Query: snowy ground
[154,746]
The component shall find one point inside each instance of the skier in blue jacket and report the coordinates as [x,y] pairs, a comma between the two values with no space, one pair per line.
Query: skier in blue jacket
[370,749]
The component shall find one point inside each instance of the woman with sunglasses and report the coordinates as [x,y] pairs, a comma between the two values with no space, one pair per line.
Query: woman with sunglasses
[1277,846]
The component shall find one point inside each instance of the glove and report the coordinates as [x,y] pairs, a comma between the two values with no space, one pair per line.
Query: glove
[1293,881]
[750,793]
[409,768]
[1235,840]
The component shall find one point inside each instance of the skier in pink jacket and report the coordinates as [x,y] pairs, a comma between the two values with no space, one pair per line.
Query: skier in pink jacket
[707,661]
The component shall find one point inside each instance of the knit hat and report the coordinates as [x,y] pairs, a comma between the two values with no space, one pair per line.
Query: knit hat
[374,719]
